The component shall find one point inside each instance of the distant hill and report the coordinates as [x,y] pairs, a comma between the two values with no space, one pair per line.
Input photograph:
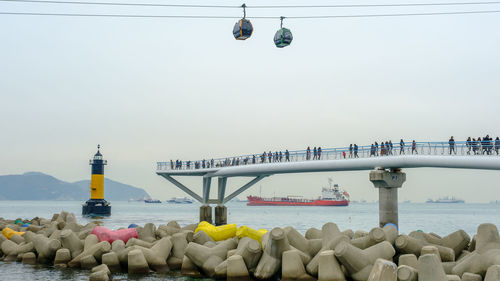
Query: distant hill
[39,186]
[115,190]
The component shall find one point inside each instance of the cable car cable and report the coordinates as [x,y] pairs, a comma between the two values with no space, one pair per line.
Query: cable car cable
[254,7]
[373,5]
[253,17]
[120,4]
[394,15]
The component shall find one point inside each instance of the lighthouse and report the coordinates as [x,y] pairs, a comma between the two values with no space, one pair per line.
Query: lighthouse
[96,205]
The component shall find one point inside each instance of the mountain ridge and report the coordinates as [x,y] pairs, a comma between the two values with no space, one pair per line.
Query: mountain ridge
[40,186]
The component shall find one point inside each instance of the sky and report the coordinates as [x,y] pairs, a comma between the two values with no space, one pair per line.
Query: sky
[152,90]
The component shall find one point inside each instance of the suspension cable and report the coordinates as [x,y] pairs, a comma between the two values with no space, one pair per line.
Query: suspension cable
[253,17]
[253,7]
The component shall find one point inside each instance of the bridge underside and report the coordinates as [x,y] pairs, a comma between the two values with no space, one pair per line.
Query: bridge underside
[222,199]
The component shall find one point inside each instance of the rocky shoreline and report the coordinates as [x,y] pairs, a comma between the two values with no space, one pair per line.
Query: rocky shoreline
[326,254]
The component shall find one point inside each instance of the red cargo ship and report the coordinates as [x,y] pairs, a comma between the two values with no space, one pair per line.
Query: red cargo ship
[330,197]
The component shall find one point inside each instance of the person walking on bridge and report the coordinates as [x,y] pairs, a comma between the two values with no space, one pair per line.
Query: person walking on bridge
[270,156]
[488,144]
[356,151]
[484,145]
[308,153]
[451,143]
[414,147]
[468,144]
[401,147]
[287,156]
[479,143]
[376,148]
[315,153]
[319,153]
[350,150]
[390,147]
[497,145]
[372,150]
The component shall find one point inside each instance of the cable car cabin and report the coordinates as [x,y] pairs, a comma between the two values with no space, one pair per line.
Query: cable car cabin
[283,37]
[242,29]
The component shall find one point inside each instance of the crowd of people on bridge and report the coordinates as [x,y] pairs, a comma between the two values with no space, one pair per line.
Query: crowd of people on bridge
[386,148]
[484,146]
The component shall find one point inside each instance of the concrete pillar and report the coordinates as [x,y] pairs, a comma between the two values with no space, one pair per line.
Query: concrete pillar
[220,215]
[388,206]
[206,213]
[388,183]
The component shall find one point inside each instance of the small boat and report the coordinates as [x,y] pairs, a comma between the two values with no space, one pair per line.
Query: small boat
[180,200]
[331,196]
[446,199]
[152,201]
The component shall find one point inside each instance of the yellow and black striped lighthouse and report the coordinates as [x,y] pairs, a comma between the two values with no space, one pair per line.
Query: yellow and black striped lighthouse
[96,205]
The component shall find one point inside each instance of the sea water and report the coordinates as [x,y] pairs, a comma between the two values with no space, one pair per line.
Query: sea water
[438,218]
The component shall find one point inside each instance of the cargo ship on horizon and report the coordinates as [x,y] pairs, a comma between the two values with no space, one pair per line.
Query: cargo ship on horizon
[446,199]
[330,196]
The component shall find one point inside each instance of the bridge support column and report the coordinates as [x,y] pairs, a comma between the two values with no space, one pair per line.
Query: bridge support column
[220,209]
[388,183]
[206,213]
[220,215]
[205,209]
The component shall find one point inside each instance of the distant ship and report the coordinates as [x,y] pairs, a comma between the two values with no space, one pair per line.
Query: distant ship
[149,200]
[330,196]
[446,199]
[137,199]
[180,200]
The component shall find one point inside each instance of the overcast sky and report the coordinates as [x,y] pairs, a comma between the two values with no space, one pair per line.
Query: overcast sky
[152,90]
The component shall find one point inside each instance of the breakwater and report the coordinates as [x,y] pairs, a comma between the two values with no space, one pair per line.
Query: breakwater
[324,254]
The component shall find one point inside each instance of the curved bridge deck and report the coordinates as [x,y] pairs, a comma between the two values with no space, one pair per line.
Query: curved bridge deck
[462,155]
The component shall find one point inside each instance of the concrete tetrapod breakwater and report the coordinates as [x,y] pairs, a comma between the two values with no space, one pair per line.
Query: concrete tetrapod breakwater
[326,254]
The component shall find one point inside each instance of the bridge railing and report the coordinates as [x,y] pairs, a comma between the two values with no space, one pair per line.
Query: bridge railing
[464,148]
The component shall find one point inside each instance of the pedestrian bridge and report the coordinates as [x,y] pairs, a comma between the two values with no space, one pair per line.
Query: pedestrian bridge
[385,165]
